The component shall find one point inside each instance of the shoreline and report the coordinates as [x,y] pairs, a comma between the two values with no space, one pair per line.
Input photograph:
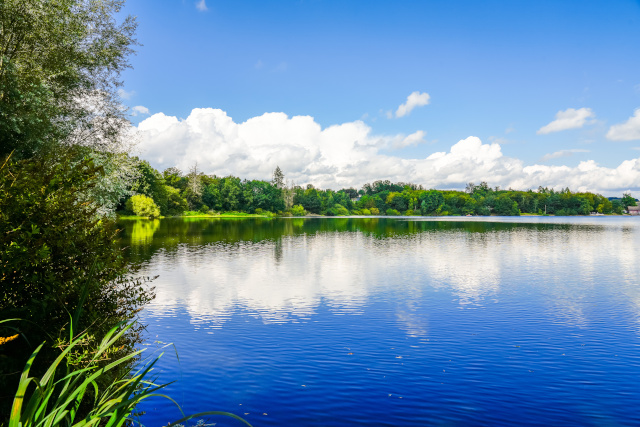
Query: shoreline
[240,215]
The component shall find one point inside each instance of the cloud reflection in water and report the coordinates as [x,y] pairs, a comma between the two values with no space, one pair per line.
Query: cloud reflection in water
[287,276]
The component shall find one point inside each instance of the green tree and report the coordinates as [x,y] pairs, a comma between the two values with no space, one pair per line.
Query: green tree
[60,63]
[231,193]
[142,205]
[628,200]
[176,204]
[431,201]
[173,177]
[151,184]
[505,206]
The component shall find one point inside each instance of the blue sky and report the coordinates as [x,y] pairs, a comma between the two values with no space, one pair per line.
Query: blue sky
[498,71]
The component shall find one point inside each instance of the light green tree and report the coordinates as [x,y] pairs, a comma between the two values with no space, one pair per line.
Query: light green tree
[298,210]
[142,205]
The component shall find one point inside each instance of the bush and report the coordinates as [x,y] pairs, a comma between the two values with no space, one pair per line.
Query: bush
[341,210]
[392,212]
[58,260]
[365,211]
[204,209]
[298,210]
[332,212]
[142,205]
[374,211]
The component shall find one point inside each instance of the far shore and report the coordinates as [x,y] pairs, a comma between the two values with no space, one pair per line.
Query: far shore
[246,215]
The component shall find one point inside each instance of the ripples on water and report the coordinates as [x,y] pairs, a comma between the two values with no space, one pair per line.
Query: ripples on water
[332,322]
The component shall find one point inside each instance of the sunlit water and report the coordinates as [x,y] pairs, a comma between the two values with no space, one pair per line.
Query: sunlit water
[396,322]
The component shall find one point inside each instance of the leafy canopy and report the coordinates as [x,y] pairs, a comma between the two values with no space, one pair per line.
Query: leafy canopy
[60,62]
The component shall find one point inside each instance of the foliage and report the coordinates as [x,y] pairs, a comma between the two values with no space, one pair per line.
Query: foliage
[151,183]
[230,193]
[176,204]
[341,209]
[142,205]
[57,257]
[60,63]
[331,212]
[298,210]
[628,200]
[55,397]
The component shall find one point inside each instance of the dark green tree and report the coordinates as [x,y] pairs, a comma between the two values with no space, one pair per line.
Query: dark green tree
[628,200]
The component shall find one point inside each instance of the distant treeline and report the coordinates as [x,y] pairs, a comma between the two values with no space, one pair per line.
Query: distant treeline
[173,192]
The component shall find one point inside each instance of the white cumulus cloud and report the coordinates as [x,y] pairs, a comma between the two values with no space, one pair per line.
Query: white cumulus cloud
[351,154]
[568,119]
[416,99]
[627,131]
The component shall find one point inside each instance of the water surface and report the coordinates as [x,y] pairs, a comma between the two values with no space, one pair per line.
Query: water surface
[396,322]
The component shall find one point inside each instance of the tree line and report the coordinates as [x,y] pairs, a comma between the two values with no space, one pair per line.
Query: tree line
[173,192]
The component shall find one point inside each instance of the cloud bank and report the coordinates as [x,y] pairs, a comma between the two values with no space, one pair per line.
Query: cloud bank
[568,119]
[350,154]
[416,99]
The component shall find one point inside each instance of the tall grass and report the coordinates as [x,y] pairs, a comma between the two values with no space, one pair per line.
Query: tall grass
[54,398]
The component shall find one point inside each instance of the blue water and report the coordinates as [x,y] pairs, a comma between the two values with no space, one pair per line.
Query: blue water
[395,322]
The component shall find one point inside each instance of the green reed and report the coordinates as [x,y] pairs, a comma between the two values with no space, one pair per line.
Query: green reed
[54,398]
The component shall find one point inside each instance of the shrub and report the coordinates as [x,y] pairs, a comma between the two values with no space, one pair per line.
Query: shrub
[298,210]
[142,205]
[365,211]
[58,259]
[341,210]
[392,212]
[374,211]
[204,209]
[332,212]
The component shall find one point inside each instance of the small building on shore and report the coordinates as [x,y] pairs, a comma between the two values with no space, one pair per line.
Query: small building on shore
[634,210]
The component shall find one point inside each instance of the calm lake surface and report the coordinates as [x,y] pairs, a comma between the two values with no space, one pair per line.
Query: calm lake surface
[395,322]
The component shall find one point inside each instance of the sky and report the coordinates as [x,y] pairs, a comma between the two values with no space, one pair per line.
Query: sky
[439,93]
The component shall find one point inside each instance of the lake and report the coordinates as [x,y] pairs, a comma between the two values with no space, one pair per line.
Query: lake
[395,321]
